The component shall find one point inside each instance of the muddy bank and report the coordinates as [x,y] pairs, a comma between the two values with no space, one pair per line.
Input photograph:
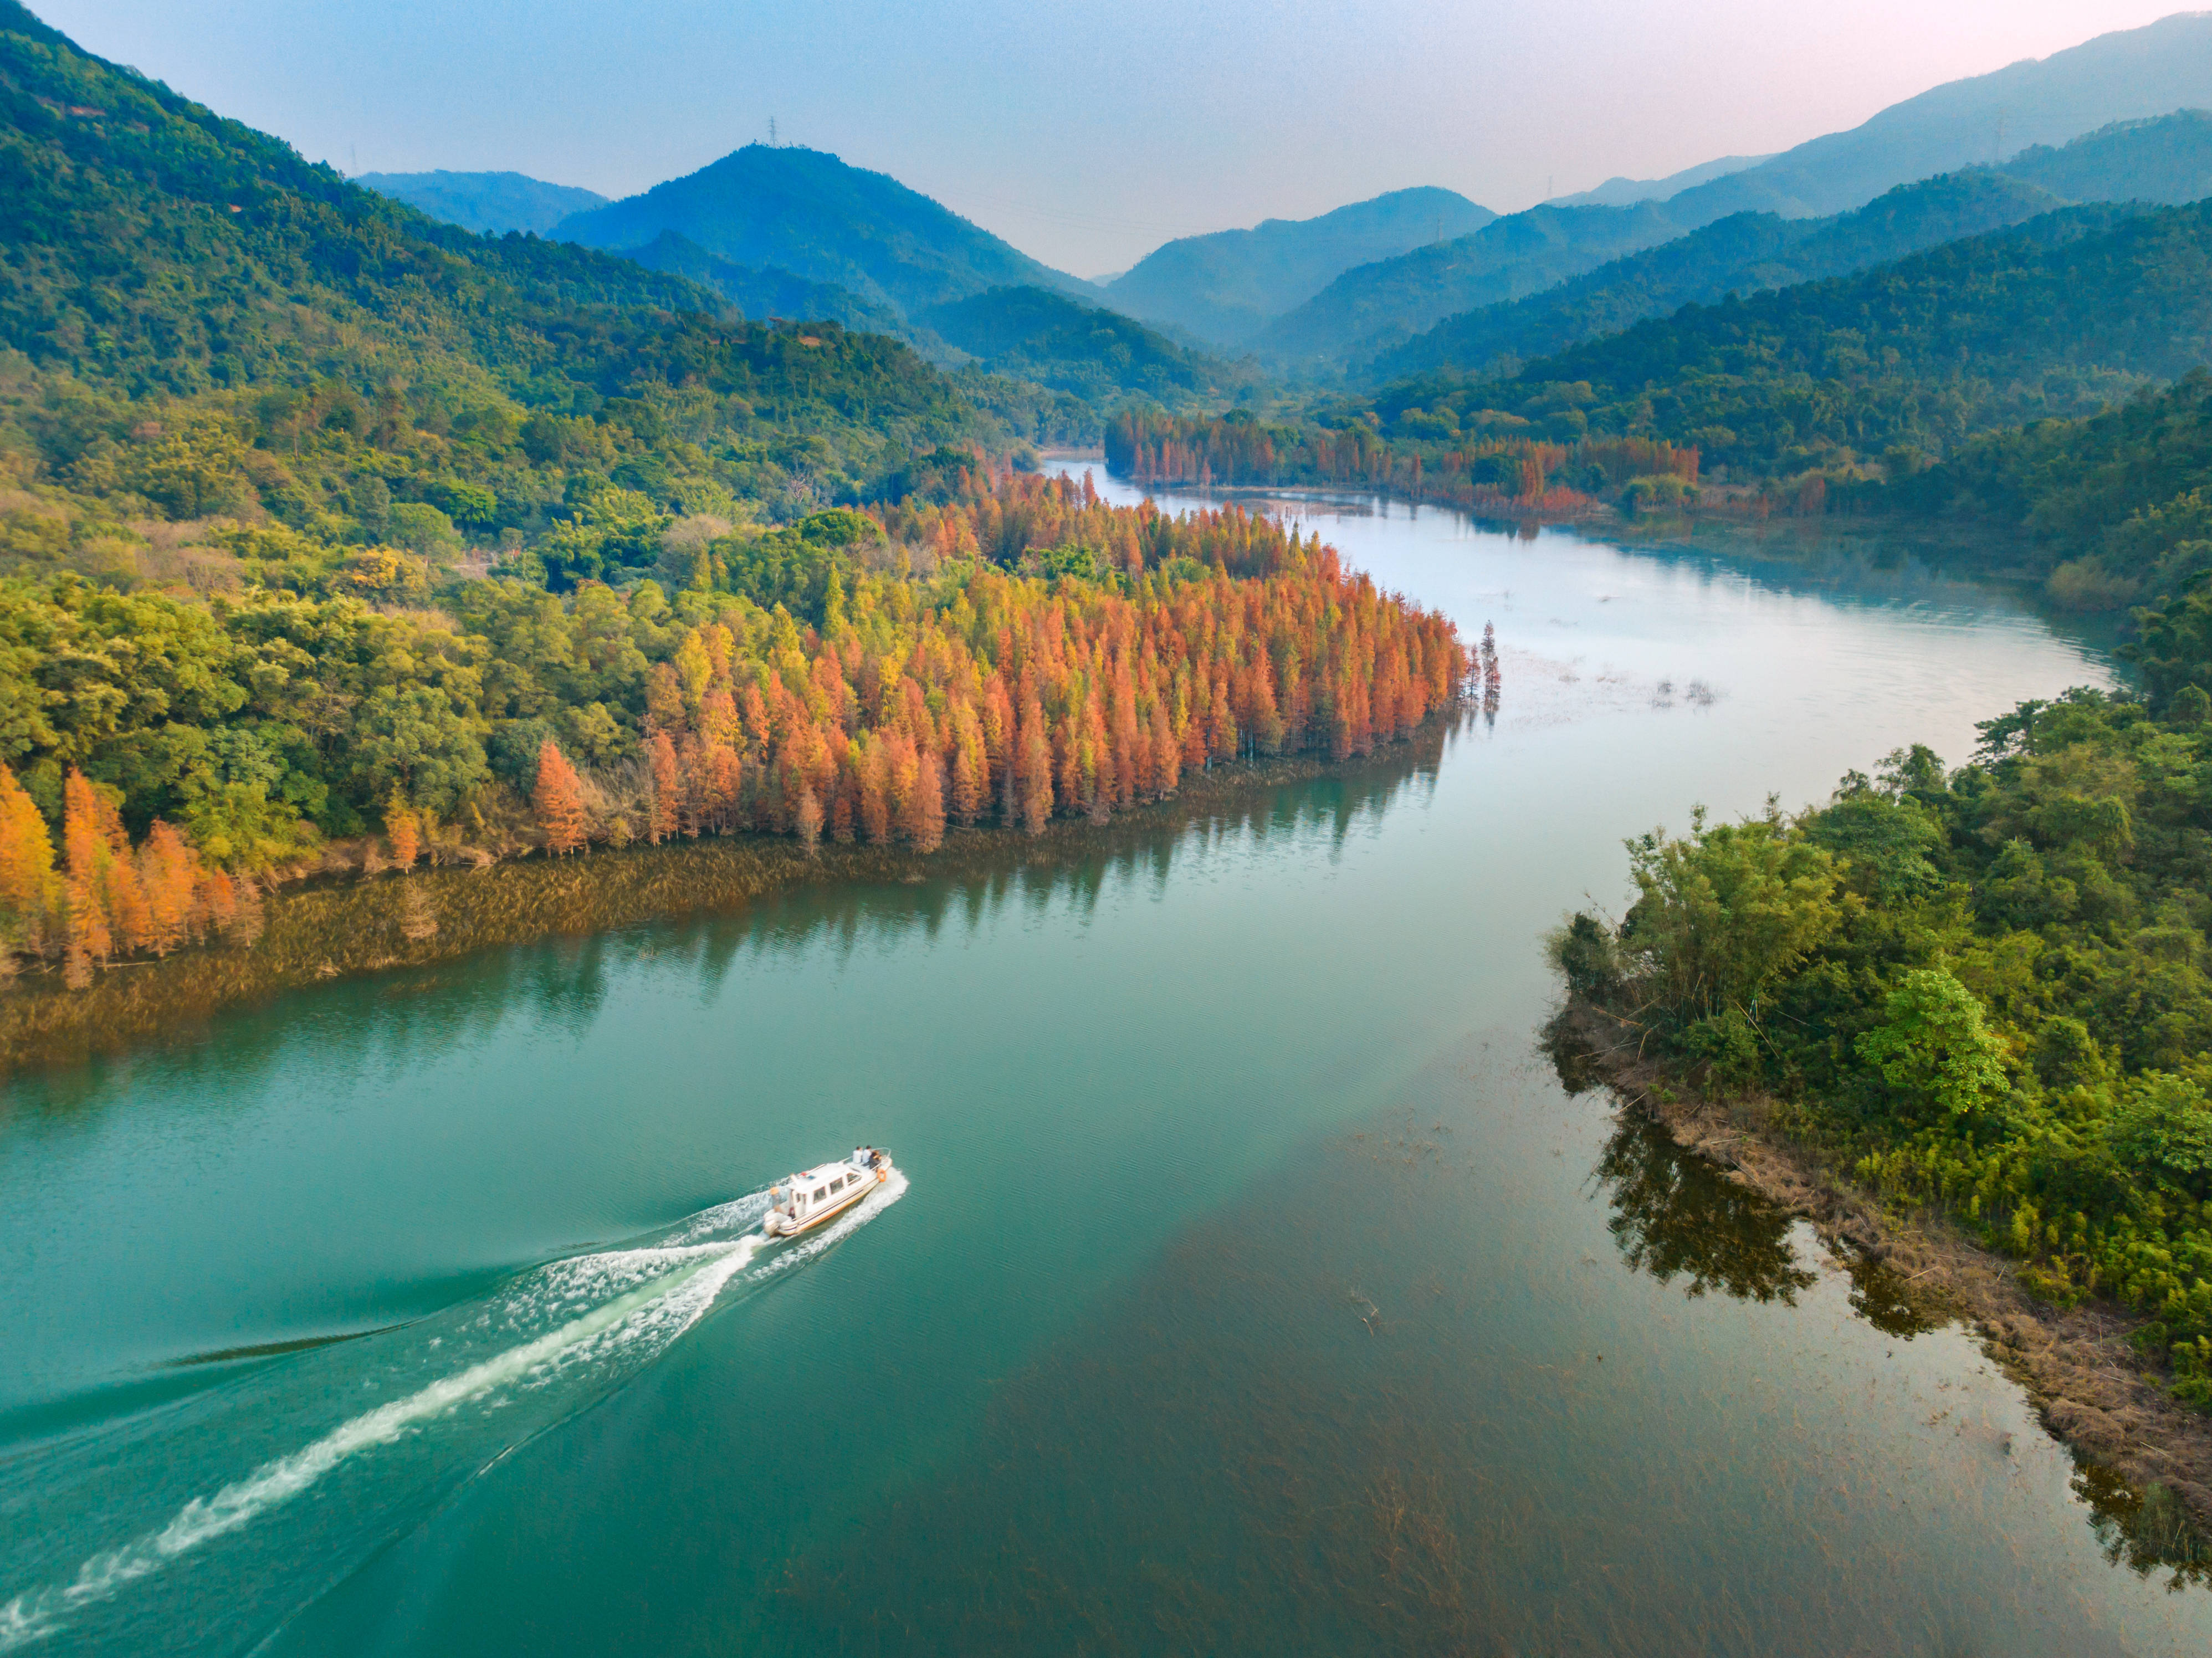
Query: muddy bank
[2093,1389]
[335,926]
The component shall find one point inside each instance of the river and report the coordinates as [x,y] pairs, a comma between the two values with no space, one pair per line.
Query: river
[1256,1284]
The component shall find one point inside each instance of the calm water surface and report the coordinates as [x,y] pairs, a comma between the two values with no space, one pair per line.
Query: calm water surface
[1258,1286]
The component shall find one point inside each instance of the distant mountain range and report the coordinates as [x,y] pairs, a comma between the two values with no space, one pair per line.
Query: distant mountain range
[1225,287]
[1626,193]
[1417,278]
[2128,76]
[2166,160]
[490,204]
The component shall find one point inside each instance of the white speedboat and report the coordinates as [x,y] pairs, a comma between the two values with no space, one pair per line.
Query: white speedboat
[804,1200]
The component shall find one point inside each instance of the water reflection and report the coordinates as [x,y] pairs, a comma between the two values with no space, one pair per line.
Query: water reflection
[1677,1216]
[678,913]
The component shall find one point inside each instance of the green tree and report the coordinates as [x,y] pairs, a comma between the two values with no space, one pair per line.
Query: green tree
[1933,1048]
[1721,915]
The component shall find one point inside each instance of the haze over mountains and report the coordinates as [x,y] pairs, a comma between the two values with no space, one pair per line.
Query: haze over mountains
[490,204]
[807,212]
[776,227]
[2127,76]
[1225,287]
[2165,160]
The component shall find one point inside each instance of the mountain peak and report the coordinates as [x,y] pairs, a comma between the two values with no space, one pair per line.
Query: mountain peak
[817,215]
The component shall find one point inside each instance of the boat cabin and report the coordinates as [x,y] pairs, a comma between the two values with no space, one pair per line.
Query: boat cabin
[801,1200]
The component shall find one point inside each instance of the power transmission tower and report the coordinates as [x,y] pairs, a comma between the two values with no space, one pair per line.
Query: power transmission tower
[771,132]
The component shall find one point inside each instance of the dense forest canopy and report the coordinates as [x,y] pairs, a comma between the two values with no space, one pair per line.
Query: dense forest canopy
[1092,355]
[321,519]
[1002,654]
[1986,988]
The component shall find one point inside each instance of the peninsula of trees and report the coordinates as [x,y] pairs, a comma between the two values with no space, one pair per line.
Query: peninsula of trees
[1006,653]
[1984,990]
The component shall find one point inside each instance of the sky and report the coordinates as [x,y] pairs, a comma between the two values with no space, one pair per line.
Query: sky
[1085,135]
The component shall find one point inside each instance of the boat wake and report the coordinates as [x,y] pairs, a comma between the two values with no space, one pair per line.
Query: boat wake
[456,1392]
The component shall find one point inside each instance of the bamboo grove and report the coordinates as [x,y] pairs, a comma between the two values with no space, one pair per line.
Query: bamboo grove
[1012,652]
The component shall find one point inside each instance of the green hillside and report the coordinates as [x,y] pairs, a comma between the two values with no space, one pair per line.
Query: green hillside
[1226,286]
[1742,253]
[1088,353]
[2054,317]
[1377,306]
[197,324]
[765,292]
[490,204]
[806,212]
[2115,507]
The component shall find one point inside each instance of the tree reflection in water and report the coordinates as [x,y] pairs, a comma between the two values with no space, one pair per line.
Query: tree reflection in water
[1677,1216]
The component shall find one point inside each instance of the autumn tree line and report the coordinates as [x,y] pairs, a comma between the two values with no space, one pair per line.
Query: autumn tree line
[1013,651]
[1427,456]
[1065,685]
[103,897]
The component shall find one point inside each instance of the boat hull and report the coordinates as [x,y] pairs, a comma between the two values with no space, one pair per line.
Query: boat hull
[778,1227]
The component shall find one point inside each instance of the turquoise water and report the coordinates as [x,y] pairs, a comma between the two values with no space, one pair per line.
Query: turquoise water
[1258,1286]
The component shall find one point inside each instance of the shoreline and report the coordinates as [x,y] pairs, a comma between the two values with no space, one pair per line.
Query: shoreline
[2089,1387]
[333,926]
[1976,554]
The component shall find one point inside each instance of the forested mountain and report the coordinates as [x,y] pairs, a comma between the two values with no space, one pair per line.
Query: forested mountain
[765,293]
[490,204]
[1837,382]
[2122,77]
[2167,160]
[1379,305]
[1225,287]
[806,212]
[2053,317]
[199,322]
[1088,353]
[1742,253]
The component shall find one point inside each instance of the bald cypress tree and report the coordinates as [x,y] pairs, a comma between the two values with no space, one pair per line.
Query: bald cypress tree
[559,800]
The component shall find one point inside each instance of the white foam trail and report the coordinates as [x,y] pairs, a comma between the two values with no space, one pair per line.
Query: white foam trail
[680,1283]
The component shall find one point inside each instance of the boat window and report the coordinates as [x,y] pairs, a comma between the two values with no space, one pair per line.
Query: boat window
[820,1192]
[837,1185]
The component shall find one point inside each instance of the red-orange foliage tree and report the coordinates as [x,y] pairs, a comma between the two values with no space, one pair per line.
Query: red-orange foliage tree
[558,800]
[667,788]
[30,894]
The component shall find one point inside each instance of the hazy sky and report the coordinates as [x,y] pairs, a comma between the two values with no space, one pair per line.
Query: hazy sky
[1085,135]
